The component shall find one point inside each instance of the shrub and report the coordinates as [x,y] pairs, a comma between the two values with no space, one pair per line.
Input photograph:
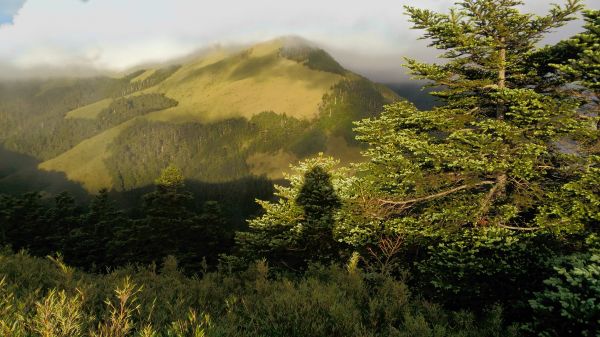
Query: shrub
[570,303]
[479,268]
[325,301]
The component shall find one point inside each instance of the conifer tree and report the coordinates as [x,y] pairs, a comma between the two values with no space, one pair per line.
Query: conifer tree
[205,238]
[88,243]
[319,201]
[488,155]
[170,199]
[20,218]
[159,233]
[584,67]
[55,225]
[302,224]
[170,225]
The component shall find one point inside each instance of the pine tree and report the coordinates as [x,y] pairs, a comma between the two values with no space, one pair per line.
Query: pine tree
[166,214]
[88,244]
[319,201]
[302,224]
[20,219]
[489,154]
[55,225]
[170,199]
[207,236]
[584,67]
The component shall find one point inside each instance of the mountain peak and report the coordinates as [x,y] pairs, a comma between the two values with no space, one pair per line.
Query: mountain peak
[237,112]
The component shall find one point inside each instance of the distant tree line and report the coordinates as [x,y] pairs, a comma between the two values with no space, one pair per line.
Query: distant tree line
[168,222]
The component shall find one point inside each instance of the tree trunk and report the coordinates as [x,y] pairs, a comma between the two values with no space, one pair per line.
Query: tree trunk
[501,77]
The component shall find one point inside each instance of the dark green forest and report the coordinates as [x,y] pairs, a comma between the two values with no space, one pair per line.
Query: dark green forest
[478,215]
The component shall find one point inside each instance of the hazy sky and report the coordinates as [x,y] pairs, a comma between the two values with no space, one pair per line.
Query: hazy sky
[366,36]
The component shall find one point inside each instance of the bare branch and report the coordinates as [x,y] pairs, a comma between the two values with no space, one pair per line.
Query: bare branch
[497,190]
[519,228]
[436,195]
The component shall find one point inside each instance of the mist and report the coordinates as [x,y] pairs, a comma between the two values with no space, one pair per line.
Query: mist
[42,38]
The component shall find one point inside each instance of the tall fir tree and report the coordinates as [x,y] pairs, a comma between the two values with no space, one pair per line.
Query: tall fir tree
[467,183]
[87,245]
[20,220]
[320,203]
[159,233]
[206,238]
[302,225]
[55,225]
[488,155]
[171,226]
[584,67]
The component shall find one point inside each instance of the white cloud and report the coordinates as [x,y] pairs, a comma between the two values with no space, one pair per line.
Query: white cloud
[117,34]
[8,9]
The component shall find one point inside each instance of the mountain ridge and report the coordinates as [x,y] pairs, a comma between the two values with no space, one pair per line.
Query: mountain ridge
[307,101]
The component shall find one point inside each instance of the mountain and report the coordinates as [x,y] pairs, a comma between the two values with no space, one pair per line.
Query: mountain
[221,116]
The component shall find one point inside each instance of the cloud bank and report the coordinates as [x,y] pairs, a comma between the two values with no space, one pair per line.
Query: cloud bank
[99,35]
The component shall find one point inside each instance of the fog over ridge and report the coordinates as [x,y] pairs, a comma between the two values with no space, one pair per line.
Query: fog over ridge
[82,38]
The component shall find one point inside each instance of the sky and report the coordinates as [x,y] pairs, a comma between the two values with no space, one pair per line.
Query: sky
[50,37]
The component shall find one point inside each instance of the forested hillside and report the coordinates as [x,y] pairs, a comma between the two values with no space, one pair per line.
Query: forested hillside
[218,117]
[475,216]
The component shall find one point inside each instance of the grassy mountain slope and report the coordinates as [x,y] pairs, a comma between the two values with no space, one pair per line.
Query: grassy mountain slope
[244,84]
[220,117]
[90,111]
[85,163]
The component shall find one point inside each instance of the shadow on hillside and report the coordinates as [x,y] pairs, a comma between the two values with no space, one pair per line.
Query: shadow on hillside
[237,198]
[19,174]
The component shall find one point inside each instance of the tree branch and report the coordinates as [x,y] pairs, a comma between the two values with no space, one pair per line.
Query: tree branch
[519,228]
[498,189]
[434,196]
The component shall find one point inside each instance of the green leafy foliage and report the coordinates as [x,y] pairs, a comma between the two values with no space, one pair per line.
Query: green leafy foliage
[583,67]
[568,306]
[472,177]
[570,68]
[478,268]
[488,155]
[576,206]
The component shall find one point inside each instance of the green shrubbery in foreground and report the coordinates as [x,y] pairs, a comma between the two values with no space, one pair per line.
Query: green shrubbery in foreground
[44,297]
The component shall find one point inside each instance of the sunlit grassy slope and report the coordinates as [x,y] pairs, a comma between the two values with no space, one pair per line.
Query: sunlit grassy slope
[85,162]
[89,111]
[214,87]
[245,84]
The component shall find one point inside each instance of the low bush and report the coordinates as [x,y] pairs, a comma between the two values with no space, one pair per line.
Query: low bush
[44,297]
[570,303]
